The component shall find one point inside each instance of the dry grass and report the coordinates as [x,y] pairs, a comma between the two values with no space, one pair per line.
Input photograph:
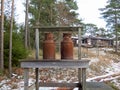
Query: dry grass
[18,71]
[90,53]
[100,65]
[32,54]
[103,60]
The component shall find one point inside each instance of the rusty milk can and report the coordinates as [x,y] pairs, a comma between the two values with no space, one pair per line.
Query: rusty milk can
[67,46]
[48,47]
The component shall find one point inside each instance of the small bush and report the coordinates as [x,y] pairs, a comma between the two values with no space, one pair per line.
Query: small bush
[18,50]
[1,73]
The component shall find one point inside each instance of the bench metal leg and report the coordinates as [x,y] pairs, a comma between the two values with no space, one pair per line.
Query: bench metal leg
[26,78]
[80,77]
[37,78]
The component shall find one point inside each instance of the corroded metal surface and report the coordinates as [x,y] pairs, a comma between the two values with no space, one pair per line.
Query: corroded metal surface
[67,47]
[48,47]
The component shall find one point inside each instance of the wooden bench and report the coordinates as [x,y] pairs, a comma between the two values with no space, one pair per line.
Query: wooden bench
[80,64]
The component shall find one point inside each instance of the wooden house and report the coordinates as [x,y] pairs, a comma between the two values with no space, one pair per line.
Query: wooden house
[91,41]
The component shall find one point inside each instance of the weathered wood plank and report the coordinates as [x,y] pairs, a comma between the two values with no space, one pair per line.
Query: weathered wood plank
[55,28]
[60,85]
[55,64]
[97,86]
[89,85]
[84,79]
[26,78]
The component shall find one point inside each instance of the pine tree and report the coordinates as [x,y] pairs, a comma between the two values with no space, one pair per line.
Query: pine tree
[2,36]
[66,15]
[10,41]
[90,29]
[42,11]
[111,13]
[52,13]
[26,24]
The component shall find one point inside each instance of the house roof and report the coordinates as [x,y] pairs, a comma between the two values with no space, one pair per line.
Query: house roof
[93,37]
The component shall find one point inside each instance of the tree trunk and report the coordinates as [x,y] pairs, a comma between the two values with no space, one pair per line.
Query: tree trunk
[2,36]
[116,28]
[26,25]
[10,41]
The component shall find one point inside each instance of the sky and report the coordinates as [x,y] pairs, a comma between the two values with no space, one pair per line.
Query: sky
[88,11]
[20,11]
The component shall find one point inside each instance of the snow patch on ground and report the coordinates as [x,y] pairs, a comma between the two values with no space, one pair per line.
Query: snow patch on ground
[93,60]
[113,67]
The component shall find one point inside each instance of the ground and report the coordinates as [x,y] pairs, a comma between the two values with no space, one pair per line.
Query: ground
[104,66]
